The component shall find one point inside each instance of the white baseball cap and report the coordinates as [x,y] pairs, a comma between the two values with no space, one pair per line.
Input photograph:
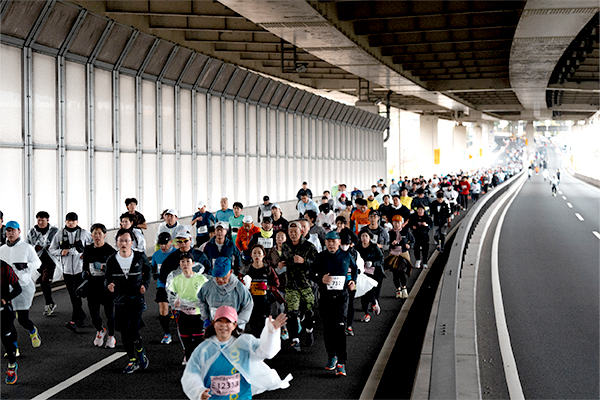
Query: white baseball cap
[201,204]
[221,224]
[172,211]
[248,219]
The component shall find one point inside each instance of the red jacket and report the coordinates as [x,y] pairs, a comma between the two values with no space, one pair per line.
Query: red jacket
[465,186]
[243,237]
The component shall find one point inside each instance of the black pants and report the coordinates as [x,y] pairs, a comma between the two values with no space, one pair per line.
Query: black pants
[47,273]
[371,295]
[399,276]
[99,296]
[333,314]
[128,321]
[72,282]
[350,312]
[9,333]
[190,329]
[440,235]
[463,200]
[421,247]
[260,311]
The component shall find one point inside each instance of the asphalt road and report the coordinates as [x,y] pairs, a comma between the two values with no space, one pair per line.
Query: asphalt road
[549,273]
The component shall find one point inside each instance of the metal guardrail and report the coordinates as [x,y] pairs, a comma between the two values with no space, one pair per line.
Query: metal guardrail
[443,384]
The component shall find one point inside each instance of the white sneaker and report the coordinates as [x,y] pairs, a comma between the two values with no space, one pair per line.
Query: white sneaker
[404,293]
[424,266]
[399,293]
[376,308]
[99,340]
[418,264]
[111,342]
[184,362]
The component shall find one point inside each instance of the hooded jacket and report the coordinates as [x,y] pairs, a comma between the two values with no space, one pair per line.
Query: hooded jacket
[24,261]
[234,294]
[76,241]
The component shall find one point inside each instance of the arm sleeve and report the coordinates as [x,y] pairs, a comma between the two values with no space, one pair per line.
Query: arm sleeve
[192,380]
[270,344]
[246,304]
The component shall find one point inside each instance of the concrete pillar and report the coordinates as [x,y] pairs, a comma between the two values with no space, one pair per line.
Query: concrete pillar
[429,142]
[477,140]
[529,131]
[460,146]
[485,136]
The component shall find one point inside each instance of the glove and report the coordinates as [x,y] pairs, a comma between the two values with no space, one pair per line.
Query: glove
[247,281]
[206,323]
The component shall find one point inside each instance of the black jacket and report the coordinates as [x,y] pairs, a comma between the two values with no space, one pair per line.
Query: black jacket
[127,288]
[373,254]
[440,212]
[334,264]
[420,231]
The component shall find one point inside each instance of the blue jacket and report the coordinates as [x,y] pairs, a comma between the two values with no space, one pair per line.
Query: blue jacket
[229,250]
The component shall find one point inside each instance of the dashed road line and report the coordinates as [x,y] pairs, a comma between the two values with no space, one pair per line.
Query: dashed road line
[559,192]
[570,205]
[564,198]
[596,234]
[579,216]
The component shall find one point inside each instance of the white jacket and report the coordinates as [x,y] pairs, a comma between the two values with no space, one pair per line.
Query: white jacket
[252,367]
[22,253]
[72,263]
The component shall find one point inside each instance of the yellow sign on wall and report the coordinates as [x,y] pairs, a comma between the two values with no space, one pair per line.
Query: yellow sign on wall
[480,152]
[436,156]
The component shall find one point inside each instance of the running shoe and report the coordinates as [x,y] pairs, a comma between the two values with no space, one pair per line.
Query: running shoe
[111,342]
[349,331]
[439,248]
[17,353]
[184,362]
[404,293]
[398,293]
[11,375]
[295,346]
[424,266]
[72,326]
[376,308]
[142,358]
[310,338]
[341,370]
[36,340]
[131,367]
[418,264]
[166,339]
[366,318]
[284,334]
[99,340]
[331,364]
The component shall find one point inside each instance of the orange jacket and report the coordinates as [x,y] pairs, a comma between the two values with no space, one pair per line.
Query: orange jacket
[243,237]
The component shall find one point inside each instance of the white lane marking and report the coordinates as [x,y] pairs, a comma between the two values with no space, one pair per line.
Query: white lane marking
[579,216]
[564,198]
[513,382]
[559,192]
[596,234]
[570,205]
[76,378]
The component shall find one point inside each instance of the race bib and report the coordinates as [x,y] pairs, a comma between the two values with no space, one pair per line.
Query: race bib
[369,268]
[267,243]
[202,230]
[374,240]
[234,230]
[337,283]
[97,268]
[158,267]
[258,288]
[225,385]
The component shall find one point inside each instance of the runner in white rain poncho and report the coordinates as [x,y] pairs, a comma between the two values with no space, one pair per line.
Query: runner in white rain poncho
[229,365]
[183,286]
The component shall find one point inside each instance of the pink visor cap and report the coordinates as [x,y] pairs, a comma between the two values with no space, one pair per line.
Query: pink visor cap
[226,312]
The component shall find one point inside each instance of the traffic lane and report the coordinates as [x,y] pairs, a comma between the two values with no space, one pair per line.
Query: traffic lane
[64,354]
[549,279]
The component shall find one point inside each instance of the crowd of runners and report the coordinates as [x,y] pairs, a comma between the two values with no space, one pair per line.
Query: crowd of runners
[228,273]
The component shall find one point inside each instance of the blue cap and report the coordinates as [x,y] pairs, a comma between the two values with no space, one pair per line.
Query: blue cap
[13,225]
[332,235]
[221,267]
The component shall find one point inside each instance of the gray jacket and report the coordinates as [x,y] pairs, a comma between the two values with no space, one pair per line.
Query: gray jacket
[234,294]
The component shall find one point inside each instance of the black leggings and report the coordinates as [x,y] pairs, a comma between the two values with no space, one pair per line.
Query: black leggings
[422,247]
[399,277]
[102,297]
[9,334]
[350,312]
[190,329]
[128,321]
[72,282]
[24,321]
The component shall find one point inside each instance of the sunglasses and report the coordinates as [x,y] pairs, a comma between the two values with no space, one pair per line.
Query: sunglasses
[183,240]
